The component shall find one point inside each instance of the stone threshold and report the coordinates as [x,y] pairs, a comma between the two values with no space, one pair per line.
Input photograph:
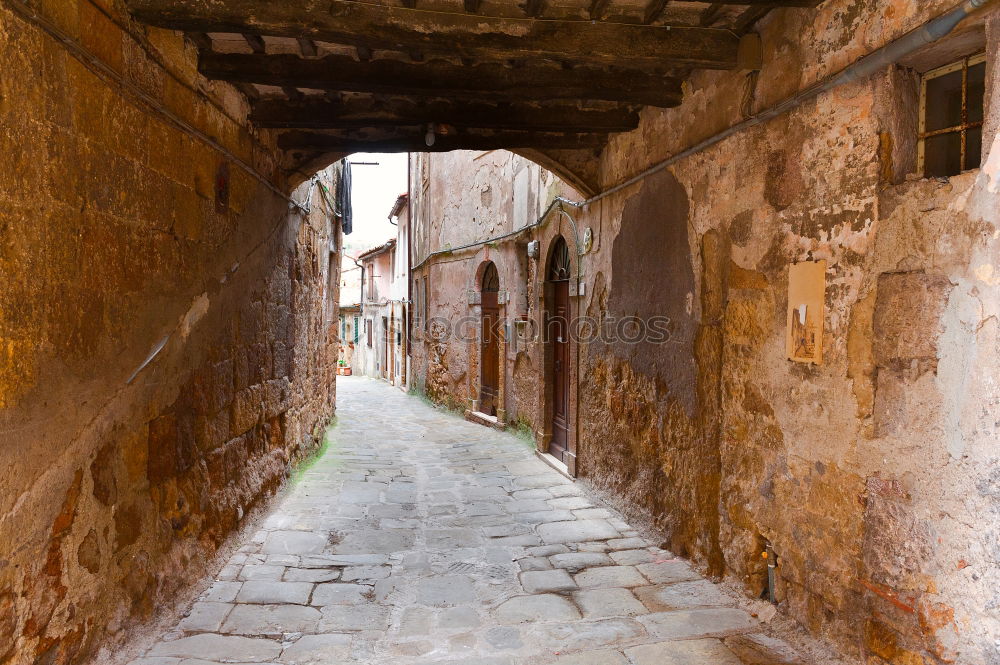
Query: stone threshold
[484,419]
[561,468]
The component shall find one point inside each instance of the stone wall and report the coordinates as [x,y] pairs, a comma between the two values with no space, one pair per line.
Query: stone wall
[873,475]
[469,197]
[165,325]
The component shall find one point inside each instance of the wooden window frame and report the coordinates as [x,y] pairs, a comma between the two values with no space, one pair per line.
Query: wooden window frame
[962,65]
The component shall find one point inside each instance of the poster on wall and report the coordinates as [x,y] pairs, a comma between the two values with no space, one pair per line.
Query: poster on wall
[806,295]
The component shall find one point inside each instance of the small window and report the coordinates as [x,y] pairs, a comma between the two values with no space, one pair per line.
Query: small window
[951,117]
[368,329]
[356,331]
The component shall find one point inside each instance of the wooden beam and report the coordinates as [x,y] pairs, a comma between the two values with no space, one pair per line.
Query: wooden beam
[654,10]
[598,9]
[308,48]
[248,90]
[534,8]
[746,21]
[449,34]
[711,15]
[443,79]
[415,141]
[201,40]
[396,112]
[255,42]
[472,6]
[293,94]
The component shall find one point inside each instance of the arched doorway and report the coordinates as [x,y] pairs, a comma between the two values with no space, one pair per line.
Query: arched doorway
[489,385]
[557,329]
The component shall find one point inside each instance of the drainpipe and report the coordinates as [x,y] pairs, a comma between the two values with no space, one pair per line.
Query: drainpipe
[361,296]
[772,564]
[889,54]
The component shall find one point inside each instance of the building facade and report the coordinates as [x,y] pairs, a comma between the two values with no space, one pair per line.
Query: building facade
[480,313]
[381,350]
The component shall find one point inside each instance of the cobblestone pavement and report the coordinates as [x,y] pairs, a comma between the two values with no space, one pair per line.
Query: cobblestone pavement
[419,538]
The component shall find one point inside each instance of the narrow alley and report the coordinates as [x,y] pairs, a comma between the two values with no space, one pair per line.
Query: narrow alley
[418,537]
[606,332]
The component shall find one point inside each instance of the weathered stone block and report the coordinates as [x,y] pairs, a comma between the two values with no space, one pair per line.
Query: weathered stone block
[541,607]
[220,648]
[247,409]
[682,653]
[907,320]
[686,624]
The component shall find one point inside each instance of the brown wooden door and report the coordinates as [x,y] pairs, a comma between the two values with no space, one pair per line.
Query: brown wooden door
[489,391]
[559,270]
[559,330]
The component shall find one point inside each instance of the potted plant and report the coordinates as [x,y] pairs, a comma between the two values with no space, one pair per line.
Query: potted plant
[342,368]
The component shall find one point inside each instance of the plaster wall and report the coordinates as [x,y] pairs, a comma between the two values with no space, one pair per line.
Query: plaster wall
[465,198]
[167,326]
[872,475]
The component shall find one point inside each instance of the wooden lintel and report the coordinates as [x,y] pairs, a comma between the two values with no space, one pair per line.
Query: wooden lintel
[417,142]
[487,81]
[359,112]
[450,34]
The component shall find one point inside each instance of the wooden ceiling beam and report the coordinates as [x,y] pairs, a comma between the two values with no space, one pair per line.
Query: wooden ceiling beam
[711,15]
[357,112]
[415,141]
[255,42]
[452,34]
[534,8]
[308,48]
[599,9]
[746,21]
[654,10]
[442,79]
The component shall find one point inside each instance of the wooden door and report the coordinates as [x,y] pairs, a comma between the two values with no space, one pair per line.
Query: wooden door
[489,391]
[560,446]
[559,329]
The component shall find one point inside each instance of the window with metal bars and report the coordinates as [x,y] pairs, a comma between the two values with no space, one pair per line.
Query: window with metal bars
[951,117]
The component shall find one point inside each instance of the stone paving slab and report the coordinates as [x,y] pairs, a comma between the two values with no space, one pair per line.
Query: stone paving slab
[423,539]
